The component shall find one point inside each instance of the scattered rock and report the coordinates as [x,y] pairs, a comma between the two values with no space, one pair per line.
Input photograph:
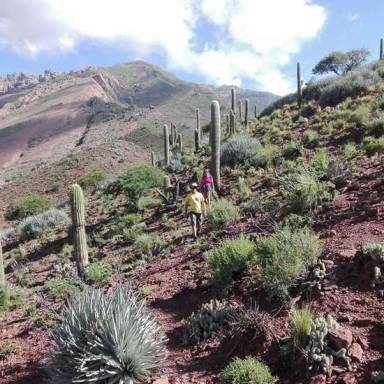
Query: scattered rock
[348,378]
[332,232]
[161,380]
[344,318]
[363,342]
[346,253]
[363,322]
[356,352]
[340,338]
[318,379]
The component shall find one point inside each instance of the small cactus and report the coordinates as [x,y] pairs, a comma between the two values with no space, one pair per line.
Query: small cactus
[78,220]
[215,134]
[180,142]
[166,145]
[299,86]
[246,108]
[153,159]
[166,185]
[2,271]
[381,57]
[233,100]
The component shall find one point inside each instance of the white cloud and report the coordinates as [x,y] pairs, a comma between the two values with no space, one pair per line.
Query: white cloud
[252,42]
[353,17]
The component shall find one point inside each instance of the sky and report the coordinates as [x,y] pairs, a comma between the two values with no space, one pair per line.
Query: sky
[251,43]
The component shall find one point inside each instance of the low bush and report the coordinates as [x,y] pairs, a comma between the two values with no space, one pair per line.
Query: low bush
[33,227]
[148,202]
[98,273]
[10,299]
[304,191]
[311,138]
[248,370]
[130,219]
[22,207]
[372,145]
[350,151]
[230,259]
[284,257]
[301,322]
[320,162]
[292,150]
[222,212]
[238,150]
[146,244]
[264,156]
[92,179]
[376,127]
[109,337]
[136,180]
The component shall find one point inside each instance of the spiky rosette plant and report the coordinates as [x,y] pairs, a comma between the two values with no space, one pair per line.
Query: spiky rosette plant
[106,339]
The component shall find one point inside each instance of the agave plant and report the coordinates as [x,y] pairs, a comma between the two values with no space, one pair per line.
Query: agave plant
[106,339]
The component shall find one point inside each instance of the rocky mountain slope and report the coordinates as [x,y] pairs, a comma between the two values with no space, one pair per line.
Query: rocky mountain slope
[44,118]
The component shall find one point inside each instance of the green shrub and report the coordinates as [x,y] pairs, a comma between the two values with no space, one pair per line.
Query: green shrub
[293,150]
[137,180]
[238,150]
[222,212]
[10,299]
[371,145]
[146,244]
[92,179]
[350,151]
[61,287]
[131,234]
[22,207]
[301,322]
[376,127]
[98,273]
[304,191]
[106,338]
[246,371]
[284,257]
[230,259]
[374,251]
[148,202]
[264,156]
[320,161]
[244,188]
[310,138]
[130,219]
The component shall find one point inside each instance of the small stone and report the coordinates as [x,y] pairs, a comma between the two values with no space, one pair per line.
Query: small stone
[332,232]
[344,318]
[161,380]
[356,352]
[318,379]
[340,338]
[346,253]
[363,342]
[362,322]
[348,378]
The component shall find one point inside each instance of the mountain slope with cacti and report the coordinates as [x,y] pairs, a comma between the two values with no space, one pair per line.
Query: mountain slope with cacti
[283,285]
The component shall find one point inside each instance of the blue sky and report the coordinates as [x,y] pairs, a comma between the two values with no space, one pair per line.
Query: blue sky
[252,43]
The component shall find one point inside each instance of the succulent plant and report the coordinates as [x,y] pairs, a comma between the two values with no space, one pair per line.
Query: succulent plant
[2,271]
[197,140]
[216,133]
[78,220]
[206,322]
[375,252]
[246,110]
[180,142]
[240,110]
[255,111]
[166,145]
[166,185]
[232,123]
[153,159]
[106,339]
[233,100]
[198,128]
[299,86]
[381,57]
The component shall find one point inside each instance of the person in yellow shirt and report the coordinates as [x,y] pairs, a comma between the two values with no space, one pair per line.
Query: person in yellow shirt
[194,204]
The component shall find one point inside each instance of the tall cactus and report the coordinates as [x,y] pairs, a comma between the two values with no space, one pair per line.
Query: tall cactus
[216,133]
[246,108]
[78,220]
[255,111]
[153,159]
[228,126]
[299,86]
[2,271]
[197,141]
[198,128]
[381,57]
[240,110]
[232,123]
[166,185]
[180,142]
[233,100]
[166,145]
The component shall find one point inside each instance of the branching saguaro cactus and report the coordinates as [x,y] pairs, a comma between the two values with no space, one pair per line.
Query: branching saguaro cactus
[180,142]
[246,110]
[232,123]
[233,100]
[78,220]
[381,57]
[153,159]
[216,134]
[2,270]
[166,145]
[299,86]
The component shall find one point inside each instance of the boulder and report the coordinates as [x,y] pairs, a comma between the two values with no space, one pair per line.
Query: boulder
[356,352]
[340,338]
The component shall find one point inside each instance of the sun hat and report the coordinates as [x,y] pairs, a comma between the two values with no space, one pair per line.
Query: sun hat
[194,185]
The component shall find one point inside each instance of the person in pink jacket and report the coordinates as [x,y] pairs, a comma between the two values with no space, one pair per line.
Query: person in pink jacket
[207,188]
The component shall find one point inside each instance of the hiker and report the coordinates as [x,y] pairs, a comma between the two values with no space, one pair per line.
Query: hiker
[194,202]
[207,187]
